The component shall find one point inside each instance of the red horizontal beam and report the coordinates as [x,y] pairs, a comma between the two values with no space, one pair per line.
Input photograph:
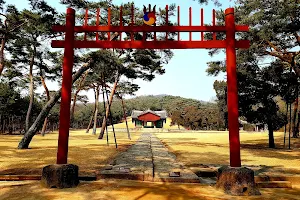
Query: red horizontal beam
[78,29]
[151,44]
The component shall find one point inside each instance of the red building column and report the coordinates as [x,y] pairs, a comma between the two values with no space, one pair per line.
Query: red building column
[232,91]
[64,118]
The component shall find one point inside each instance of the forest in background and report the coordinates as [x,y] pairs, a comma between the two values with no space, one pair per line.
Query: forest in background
[190,113]
[195,114]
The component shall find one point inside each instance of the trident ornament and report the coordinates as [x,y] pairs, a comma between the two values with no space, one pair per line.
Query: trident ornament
[149,17]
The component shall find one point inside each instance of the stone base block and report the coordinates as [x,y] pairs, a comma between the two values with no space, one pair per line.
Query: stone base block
[237,181]
[60,176]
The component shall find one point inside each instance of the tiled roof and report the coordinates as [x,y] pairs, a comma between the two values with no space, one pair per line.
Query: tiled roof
[162,114]
[136,113]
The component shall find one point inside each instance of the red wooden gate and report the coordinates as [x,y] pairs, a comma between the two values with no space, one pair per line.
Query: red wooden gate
[230,44]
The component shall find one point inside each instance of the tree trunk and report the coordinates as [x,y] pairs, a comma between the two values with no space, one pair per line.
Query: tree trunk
[90,123]
[44,127]
[290,126]
[271,135]
[108,107]
[2,54]
[96,109]
[103,97]
[111,120]
[295,114]
[295,118]
[1,123]
[4,125]
[92,116]
[76,93]
[10,130]
[285,129]
[297,126]
[48,98]
[13,123]
[31,93]
[25,141]
[125,117]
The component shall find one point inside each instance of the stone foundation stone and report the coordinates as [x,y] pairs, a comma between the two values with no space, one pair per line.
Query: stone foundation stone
[238,181]
[60,176]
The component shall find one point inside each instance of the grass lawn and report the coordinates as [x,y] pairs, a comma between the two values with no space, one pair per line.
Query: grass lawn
[90,154]
[85,150]
[212,148]
[131,190]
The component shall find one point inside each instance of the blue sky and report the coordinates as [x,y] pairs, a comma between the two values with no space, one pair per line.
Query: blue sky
[185,74]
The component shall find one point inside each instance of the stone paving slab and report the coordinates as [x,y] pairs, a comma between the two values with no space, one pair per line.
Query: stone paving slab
[148,160]
[165,163]
[135,163]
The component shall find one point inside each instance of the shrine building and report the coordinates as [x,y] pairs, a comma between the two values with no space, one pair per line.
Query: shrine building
[149,118]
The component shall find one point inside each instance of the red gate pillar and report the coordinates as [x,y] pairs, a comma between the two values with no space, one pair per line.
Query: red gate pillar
[64,117]
[232,92]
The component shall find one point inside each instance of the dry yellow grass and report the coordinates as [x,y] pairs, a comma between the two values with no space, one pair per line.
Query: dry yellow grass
[207,148]
[167,125]
[90,154]
[123,124]
[85,150]
[131,190]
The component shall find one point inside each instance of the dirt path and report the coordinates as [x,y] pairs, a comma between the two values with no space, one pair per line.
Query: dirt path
[148,160]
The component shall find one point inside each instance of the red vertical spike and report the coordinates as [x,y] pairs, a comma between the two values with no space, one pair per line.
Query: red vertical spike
[145,10]
[190,23]
[109,21]
[167,20]
[202,23]
[144,34]
[86,16]
[154,24]
[178,20]
[132,21]
[97,22]
[86,20]
[214,23]
[121,20]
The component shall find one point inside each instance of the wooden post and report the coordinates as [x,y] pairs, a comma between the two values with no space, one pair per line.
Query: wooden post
[64,118]
[232,92]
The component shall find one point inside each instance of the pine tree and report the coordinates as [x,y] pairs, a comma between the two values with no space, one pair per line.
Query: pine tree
[26,49]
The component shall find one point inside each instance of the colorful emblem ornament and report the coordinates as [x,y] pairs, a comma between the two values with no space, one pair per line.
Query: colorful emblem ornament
[149,17]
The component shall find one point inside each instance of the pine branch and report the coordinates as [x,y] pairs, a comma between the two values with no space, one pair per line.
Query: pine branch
[297,37]
[273,46]
[17,26]
[275,54]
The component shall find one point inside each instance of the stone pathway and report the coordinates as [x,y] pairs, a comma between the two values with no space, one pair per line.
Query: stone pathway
[148,160]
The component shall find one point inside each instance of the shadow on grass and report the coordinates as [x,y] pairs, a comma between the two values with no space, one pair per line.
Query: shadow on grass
[262,150]
[256,148]
[133,190]
[103,190]
[89,158]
